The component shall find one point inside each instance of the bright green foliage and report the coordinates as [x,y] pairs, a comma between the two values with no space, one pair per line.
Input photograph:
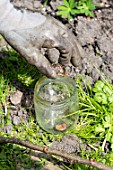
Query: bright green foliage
[95,125]
[67,10]
[104,94]
[4,90]
[85,7]
[96,115]
[72,7]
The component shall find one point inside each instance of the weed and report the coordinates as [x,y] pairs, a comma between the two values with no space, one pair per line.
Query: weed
[67,10]
[85,7]
[71,8]
[96,118]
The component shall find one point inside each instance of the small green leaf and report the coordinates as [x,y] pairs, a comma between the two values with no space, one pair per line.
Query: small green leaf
[75,11]
[112,147]
[107,90]
[69,17]
[110,98]
[108,136]
[71,4]
[112,139]
[92,7]
[111,107]
[13,58]
[98,86]
[62,13]
[86,12]
[106,124]
[99,128]
[91,14]
[108,118]
[66,3]
[80,7]
[63,8]
[100,98]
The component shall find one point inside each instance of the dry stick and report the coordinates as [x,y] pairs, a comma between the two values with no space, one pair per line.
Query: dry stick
[47,150]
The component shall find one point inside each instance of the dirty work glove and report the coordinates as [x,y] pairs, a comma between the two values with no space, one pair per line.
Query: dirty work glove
[29,32]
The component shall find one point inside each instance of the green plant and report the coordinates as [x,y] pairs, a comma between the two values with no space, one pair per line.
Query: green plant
[96,116]
[4,90]
[104,93]
[67,10]
[85,7]
[71,7]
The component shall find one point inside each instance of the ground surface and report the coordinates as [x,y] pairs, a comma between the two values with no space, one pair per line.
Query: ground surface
[95,36]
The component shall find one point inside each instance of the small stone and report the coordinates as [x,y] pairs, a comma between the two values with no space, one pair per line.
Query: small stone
[17,3]
[53,55]
[20,113]
[61,127]
[37,4]
[40,132]
[16,98]
[48,9]
[12,113]
[28,4]
[16,120]
[8,129]
[53,5]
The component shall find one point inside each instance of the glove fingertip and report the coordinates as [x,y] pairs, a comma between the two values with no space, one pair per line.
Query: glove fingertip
[51,74]
[76,61]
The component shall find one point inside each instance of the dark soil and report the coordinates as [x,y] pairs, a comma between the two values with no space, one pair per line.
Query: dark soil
[95,36]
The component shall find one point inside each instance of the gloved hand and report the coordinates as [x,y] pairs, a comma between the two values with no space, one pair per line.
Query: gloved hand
[28,32]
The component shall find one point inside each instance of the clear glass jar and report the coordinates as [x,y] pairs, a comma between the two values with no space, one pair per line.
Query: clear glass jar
[55,101]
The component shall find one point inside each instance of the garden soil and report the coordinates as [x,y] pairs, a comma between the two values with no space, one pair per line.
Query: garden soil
[95,36]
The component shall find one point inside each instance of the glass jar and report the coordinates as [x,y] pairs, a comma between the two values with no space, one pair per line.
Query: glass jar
[55,101]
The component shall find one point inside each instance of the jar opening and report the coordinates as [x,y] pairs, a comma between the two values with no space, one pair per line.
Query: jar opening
[55,91]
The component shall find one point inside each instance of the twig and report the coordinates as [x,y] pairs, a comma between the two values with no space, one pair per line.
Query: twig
[67,157]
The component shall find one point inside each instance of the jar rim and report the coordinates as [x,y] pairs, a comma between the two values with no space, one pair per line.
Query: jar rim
[58,103]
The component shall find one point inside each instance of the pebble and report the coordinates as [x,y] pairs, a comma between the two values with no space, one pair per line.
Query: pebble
[37,4]
[16,98]
[16,120]
[8,129]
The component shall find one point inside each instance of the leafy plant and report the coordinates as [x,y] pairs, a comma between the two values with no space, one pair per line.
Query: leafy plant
[96,114]
[70,8]
[67,10]
[104,94]
[85,7]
